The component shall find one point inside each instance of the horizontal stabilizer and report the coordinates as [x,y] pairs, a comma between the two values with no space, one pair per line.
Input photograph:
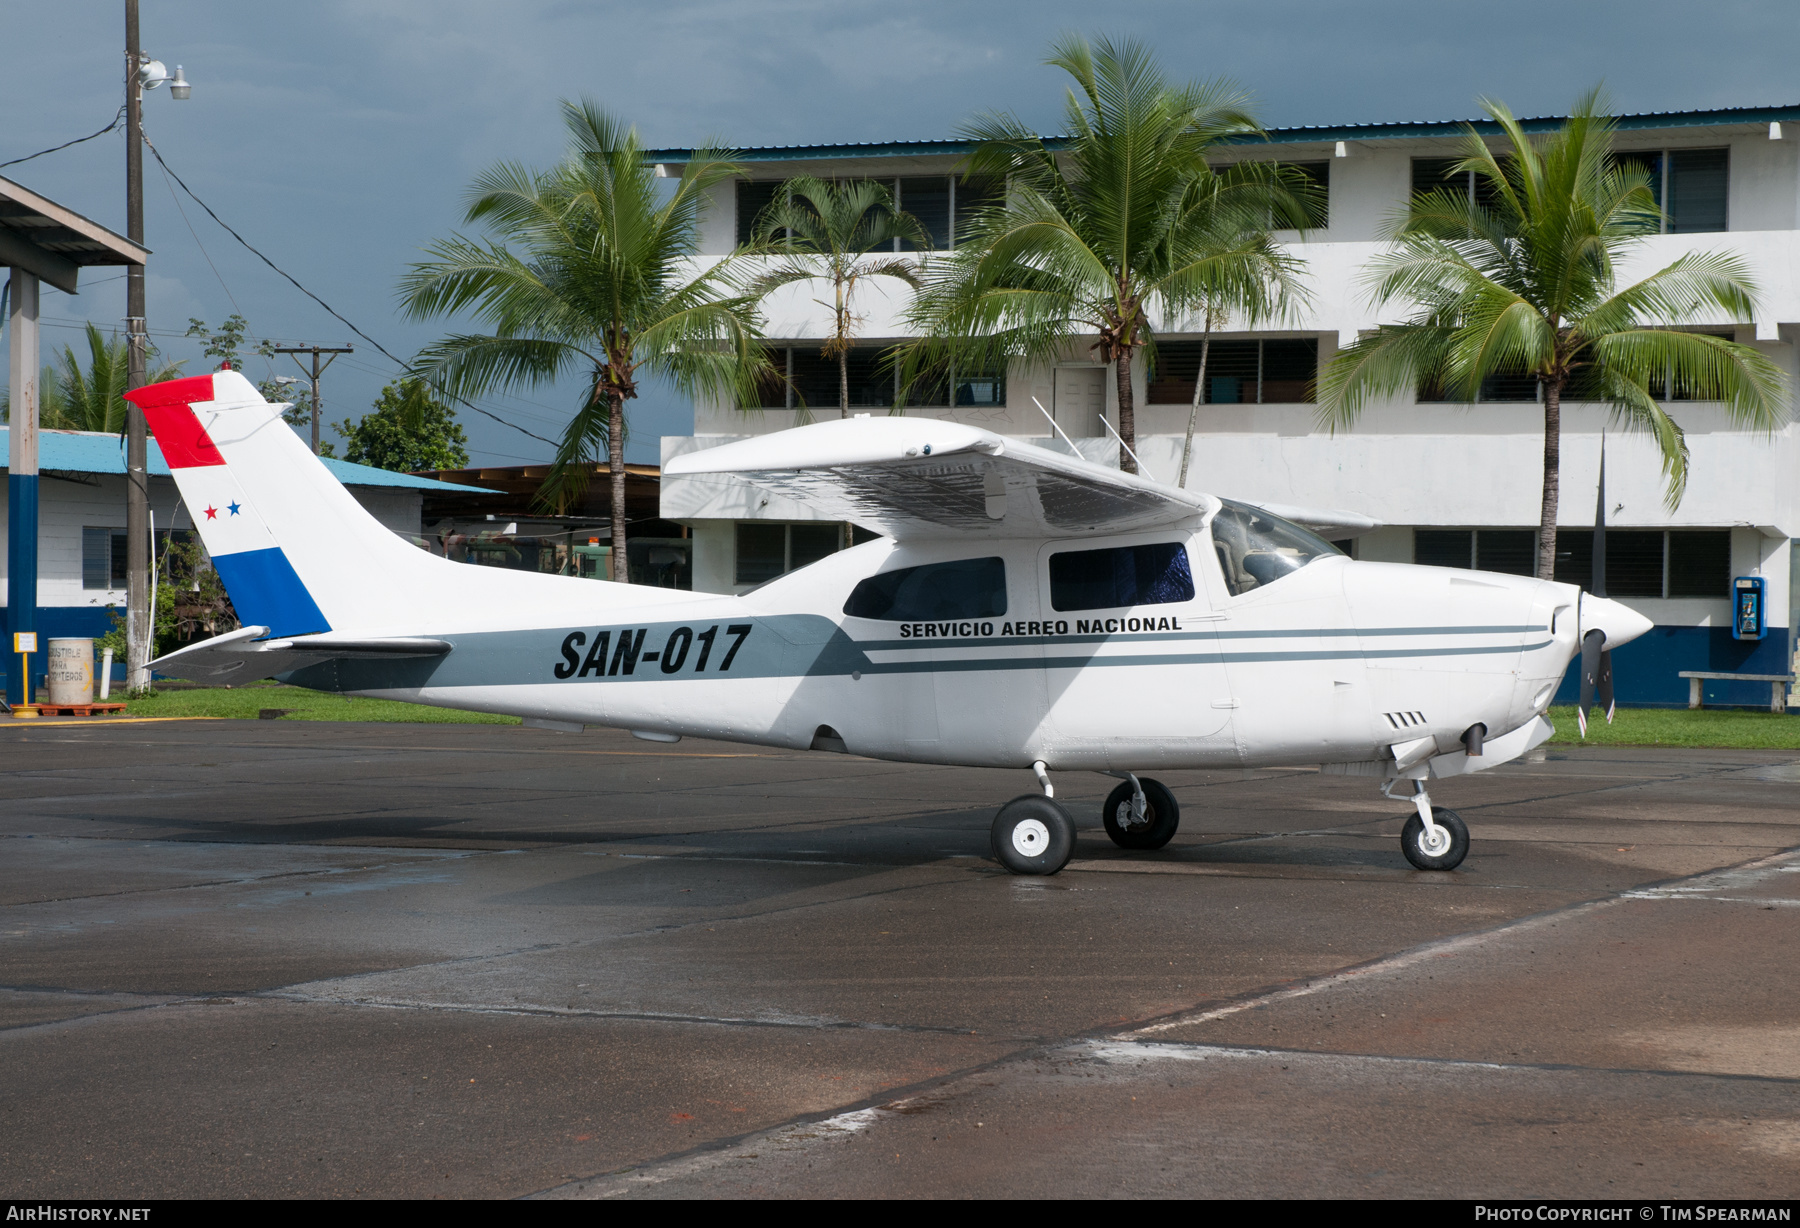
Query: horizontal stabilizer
[921,478]
[243,655]
[391,646]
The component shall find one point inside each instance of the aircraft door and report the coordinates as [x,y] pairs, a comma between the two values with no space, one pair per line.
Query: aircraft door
[989,689]
[944,684]
[1131,653]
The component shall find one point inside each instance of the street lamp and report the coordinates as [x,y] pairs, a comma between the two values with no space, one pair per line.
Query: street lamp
[141,73]
[152,73]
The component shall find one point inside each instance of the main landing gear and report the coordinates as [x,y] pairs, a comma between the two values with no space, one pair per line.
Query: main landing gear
[1433,839]
[1034,835]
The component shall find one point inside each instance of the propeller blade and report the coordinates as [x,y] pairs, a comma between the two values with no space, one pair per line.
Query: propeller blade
[1597,581]
[1603,685]
[1593,651]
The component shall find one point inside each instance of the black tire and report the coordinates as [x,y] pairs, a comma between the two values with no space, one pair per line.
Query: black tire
[1161,812]
[1033,835]
[1414,833]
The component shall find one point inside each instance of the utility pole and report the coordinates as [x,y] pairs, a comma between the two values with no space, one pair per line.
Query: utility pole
[317,371]
[138,617]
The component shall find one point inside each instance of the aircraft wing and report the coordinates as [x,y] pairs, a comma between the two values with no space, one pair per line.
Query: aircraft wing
[1329,523]
[921,478]
[243,655]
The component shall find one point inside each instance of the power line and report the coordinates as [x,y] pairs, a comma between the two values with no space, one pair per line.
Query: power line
[197,242]
[321,302]
[116,121]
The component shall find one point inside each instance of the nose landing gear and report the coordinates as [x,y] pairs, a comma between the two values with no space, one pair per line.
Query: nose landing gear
[1432,839]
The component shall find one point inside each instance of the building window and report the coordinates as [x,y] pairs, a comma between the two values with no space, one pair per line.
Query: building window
[944,204]
[1440,174]
[805,378]
[966,588]
[980,388]
[1695,190]
[1699,562]
[753,196]
[1513,386]
[1318,198]
[1273,372]
[766,549]
[1639,562]
[1693,193]
[968,198]
[928,199]
[103,558]
[1444,547]
[761,551]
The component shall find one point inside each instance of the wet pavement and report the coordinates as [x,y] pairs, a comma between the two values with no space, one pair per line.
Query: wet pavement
[272,958]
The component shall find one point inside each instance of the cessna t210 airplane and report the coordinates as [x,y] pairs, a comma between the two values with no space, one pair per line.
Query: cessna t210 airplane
[1022,609]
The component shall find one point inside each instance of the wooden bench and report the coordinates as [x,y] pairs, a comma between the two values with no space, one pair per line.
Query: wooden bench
[1778,685]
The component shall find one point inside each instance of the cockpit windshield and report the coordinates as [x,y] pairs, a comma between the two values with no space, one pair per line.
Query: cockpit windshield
[1256,549]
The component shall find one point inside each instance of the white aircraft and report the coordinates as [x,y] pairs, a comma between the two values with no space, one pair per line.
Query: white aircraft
[1023,609]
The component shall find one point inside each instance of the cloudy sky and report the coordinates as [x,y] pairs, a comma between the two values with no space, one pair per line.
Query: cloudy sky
[338,135]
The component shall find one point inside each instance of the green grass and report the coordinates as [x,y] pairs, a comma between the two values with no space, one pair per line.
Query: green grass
[1729,729]
[247,702]
[1725,729]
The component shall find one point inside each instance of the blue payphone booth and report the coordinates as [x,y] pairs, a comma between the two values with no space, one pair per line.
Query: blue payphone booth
[1748,600]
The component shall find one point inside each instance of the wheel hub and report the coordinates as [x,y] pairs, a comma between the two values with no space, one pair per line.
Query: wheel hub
[1434,841]
[1128,818]
[1030,838]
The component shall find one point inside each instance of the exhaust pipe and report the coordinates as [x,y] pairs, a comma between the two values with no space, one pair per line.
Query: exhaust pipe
[1472,737]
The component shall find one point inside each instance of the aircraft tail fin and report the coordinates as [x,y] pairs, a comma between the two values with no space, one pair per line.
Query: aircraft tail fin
[298,554]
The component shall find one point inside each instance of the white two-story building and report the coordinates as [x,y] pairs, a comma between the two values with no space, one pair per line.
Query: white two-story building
[1453,484]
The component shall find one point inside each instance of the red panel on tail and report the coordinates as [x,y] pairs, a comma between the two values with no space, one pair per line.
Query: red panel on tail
[167,408]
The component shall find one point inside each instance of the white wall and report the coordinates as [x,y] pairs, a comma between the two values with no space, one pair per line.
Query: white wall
[397,507]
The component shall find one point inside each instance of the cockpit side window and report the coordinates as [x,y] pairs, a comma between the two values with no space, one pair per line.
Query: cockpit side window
[1121,577]
[1256,549]
[966,588]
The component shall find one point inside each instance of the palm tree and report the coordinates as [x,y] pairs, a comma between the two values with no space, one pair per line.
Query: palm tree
[830,232]
[73,398]
[1222,240]
[1105,227]
[592,271]
[1524,281]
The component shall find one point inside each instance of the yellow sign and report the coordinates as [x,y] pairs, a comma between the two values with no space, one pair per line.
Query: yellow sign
[24,641]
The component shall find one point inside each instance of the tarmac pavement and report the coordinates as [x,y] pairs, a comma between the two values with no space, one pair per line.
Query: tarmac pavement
[297,958]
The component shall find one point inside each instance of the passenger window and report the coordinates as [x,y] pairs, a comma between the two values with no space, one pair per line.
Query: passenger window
[1122,576]
[1256,549]
[967,588]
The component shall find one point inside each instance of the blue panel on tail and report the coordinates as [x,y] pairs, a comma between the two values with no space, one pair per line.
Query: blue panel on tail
[266,591]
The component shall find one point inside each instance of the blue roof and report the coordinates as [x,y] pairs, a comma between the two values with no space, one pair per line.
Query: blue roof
[98,452]
[1341,132]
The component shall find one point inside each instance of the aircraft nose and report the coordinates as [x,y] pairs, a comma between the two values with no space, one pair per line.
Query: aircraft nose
[1621,623]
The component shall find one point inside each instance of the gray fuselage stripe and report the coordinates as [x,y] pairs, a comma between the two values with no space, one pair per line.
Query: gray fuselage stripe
[1203,632]
[978,664]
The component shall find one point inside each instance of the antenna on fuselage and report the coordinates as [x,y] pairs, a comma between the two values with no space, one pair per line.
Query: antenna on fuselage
[1052,420]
